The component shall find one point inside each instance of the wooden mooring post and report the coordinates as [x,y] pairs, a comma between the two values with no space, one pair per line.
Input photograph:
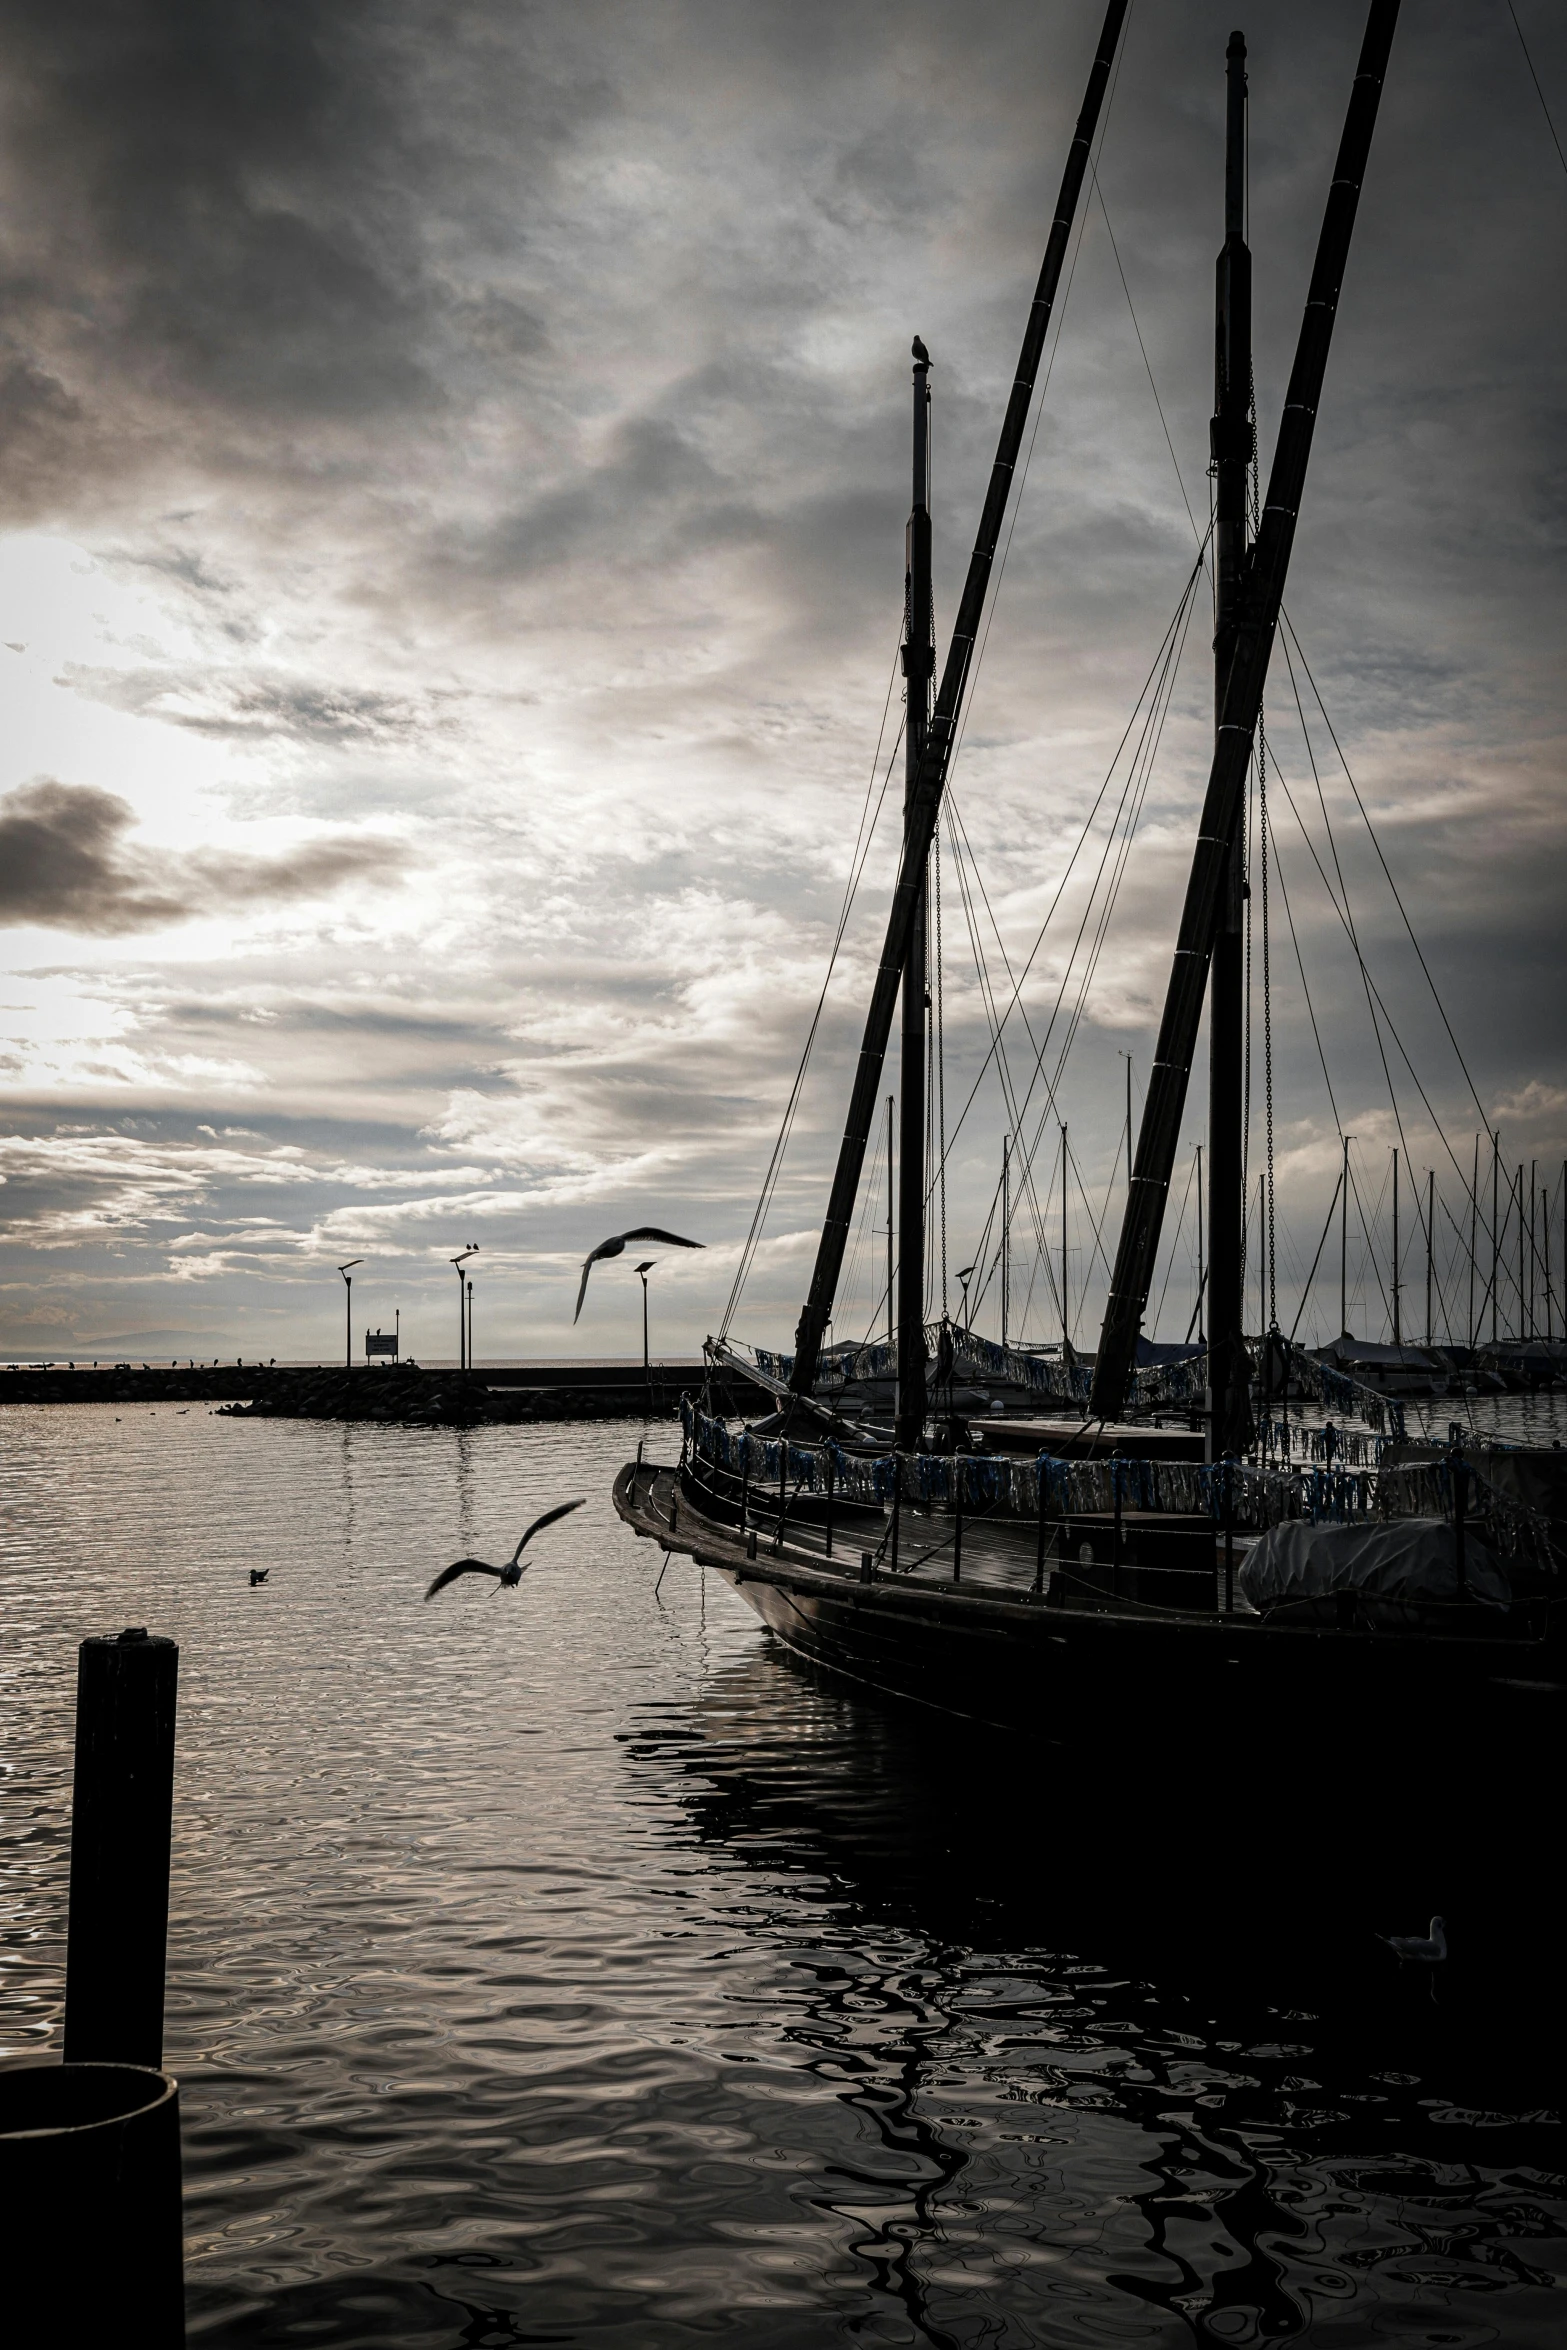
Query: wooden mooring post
[122,1810]
[90,2200]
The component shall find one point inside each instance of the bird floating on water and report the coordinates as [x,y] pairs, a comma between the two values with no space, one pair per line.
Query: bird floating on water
[615,1246]
[258,1575]
[1425,1949]
[509,1576]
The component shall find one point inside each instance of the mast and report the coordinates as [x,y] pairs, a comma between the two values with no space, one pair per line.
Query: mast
[919,665]
[891,1308]
[1534,1261]
[1066,1319]
[1545,1252]
[1343,1247]
[1430,1242]
[1474,1240]
[920,824]
[1496,1246]
[1262,593]
[1397,1335]
[1202,1270]
[1232,439]
[1006,1233]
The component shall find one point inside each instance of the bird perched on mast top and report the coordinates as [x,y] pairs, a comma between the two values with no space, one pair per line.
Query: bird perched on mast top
[921,355]
[616,1246]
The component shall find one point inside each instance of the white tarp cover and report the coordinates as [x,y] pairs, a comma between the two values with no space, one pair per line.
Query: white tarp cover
[1412,1559]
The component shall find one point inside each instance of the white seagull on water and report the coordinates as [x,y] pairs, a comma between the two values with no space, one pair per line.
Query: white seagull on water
[1425,1949]
[509,1576]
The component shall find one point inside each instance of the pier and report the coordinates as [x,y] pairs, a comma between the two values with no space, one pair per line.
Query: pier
[435,1393]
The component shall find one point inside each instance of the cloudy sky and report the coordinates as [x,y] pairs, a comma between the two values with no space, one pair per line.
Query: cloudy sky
[454,470]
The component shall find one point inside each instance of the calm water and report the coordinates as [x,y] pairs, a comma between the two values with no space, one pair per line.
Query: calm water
[569,1967]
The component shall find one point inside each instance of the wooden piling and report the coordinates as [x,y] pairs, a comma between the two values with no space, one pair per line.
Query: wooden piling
[121,1817]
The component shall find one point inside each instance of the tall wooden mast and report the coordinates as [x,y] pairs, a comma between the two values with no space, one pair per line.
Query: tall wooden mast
[919,668]
[1257,619]
[1232,437]
[920,820]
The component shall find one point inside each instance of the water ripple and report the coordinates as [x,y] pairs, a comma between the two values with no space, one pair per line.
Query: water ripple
[569,1966]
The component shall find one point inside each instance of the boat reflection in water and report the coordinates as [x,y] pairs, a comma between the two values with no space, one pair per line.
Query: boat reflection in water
[1129,2068]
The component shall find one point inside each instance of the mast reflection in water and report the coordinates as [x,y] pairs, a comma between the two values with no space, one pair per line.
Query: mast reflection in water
[572,1967]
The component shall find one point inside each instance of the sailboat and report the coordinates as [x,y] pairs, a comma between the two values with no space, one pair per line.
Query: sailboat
[1121,1540]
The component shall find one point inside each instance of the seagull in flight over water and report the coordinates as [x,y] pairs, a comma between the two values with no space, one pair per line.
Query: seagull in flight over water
[1426,1949]
[615,1246]
[509,1576]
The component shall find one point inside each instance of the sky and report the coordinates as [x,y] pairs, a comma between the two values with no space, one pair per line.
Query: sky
[454,468]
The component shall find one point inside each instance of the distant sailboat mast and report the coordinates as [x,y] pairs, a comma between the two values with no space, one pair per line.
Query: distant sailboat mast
[1232,440]
[919,667]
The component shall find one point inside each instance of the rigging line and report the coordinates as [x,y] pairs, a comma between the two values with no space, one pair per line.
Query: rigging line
[941,1068]
[1087,1208]
[1270,1236]
[961,846]
[1003,1071]
[1377,845]
[1137,789]
[1349,920]
[865,835]
[1469,1254]
[1141,345]
[1278,868]
[1039,415]
[1161,679]
[1370,983]
[1149,754]
[1317,1259]
[1370,1256]
[1087,827]
[1169,1263]
[1534,77]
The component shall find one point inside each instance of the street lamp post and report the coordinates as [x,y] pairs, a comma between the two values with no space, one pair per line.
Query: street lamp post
[458,1263]
[963,1282]
[647,1368]
[348,1310]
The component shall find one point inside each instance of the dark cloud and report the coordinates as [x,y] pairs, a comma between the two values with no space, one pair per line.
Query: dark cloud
[66,863]
[257,707]
[509,405]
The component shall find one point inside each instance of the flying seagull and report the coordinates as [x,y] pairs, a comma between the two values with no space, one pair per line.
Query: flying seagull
[1427,1949]
[509,1576]
[616,1246]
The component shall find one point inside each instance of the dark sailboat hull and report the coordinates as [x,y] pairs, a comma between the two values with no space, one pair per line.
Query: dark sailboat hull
[1107,1672]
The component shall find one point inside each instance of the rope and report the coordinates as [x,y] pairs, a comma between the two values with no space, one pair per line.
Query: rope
[941,1070]
[1288,624]
[861,851]
[1271,1240]
[1143,348]
[1534,77]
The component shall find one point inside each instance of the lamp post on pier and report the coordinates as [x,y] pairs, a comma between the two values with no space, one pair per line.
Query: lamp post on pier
[463,1285]
[647,1368]
[348,1310]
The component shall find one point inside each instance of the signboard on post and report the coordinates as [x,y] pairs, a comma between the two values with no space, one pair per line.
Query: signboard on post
[381,1342]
